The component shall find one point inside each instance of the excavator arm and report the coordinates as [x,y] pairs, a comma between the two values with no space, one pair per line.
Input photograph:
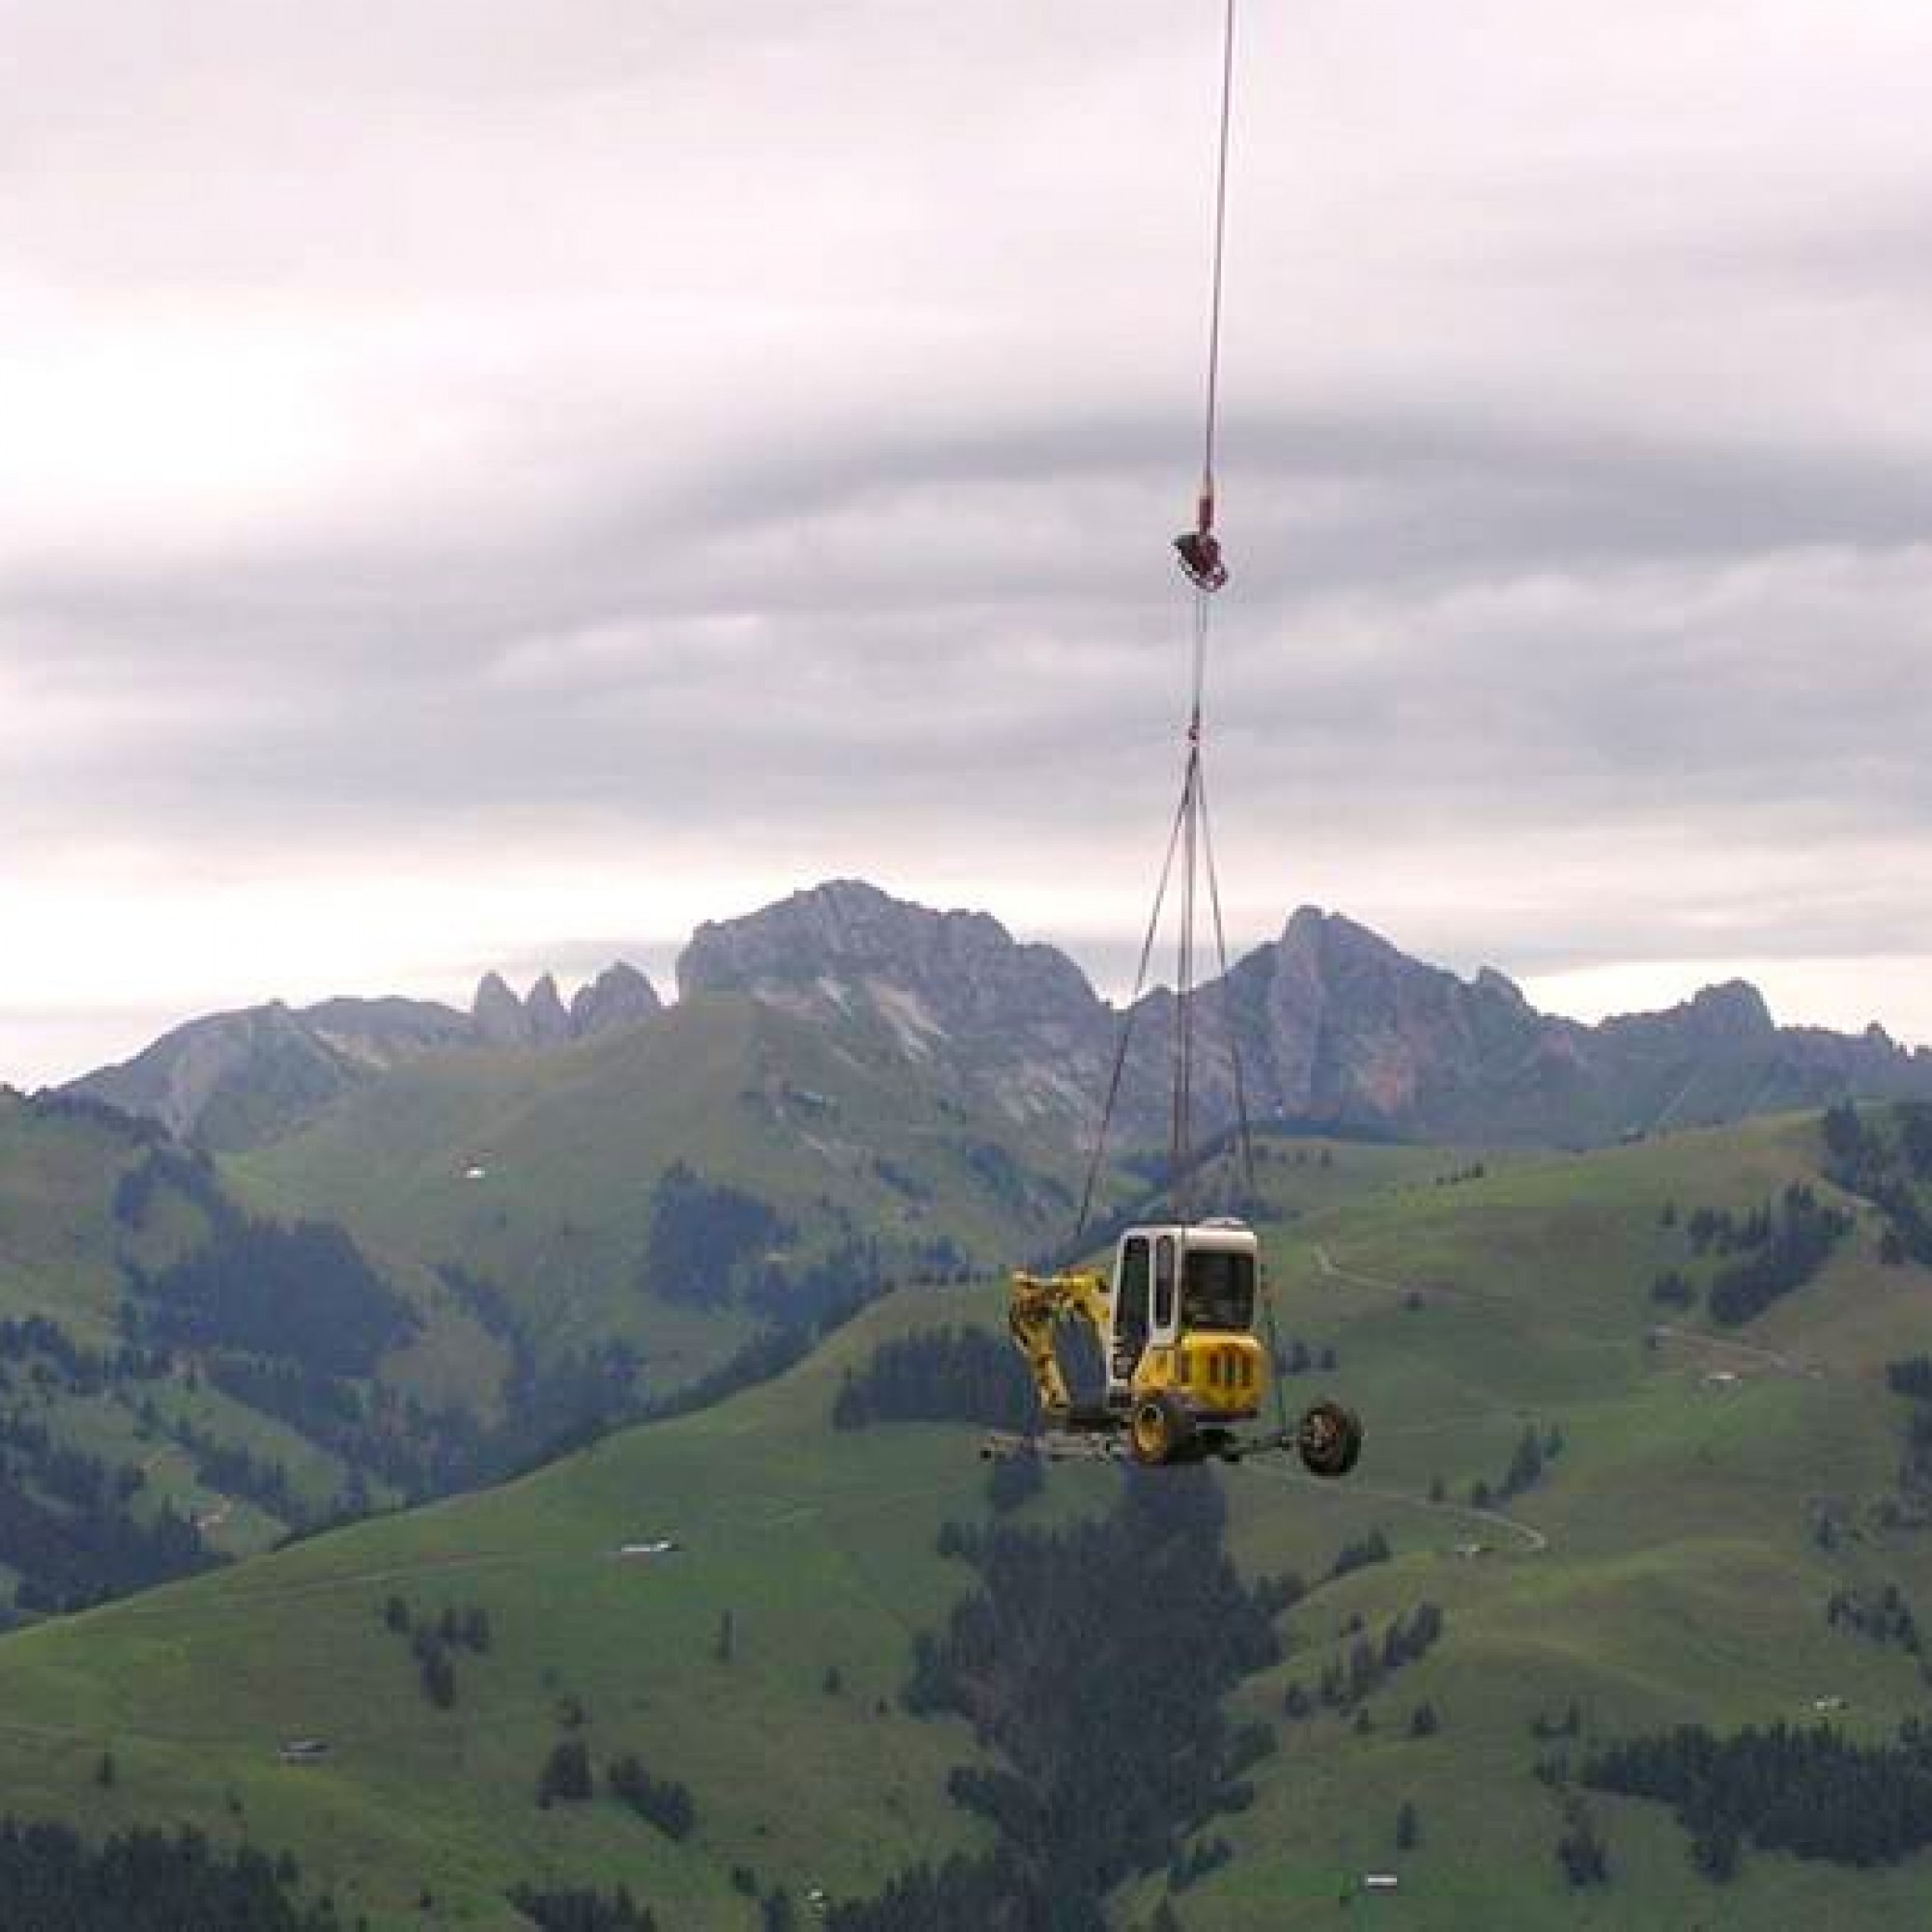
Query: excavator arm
[1036,1303]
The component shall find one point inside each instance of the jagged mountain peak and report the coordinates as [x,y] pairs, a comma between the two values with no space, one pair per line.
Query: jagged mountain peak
[836,922]
[846,931]
[1490,979]
[1735,1009]
[1730,1013]
[545,1010]
[497,1013]
[619,996]
[1017,1022]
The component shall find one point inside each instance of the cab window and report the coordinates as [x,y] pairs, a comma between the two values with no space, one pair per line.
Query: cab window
[1130,1311]
[1163,1282]
[1219,1291]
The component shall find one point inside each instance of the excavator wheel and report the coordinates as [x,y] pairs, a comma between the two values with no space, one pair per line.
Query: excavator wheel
[1160,1430]
[1329,1439]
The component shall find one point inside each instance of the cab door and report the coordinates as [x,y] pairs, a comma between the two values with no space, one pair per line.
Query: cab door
[1133,1286]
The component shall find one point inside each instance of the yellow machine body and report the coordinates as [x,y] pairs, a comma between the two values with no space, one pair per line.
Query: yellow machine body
[1175,1325]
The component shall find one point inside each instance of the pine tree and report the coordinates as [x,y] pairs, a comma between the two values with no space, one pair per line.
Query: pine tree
[565,1775]
[1715,1851]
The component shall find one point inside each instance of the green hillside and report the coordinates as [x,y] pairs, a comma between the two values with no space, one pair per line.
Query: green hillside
[541,1239]
[1666,1565]
[108,1431]
[535,1170]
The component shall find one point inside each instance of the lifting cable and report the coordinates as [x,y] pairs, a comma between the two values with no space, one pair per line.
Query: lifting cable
[1190,836]
[1212,411]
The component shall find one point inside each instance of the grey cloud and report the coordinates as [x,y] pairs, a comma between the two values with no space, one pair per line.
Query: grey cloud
[808,490]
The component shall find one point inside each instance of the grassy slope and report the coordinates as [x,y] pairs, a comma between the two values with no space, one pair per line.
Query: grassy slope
[1679,1584]
[820,1545]
[60,1254]
[573,1140]
[57,1251]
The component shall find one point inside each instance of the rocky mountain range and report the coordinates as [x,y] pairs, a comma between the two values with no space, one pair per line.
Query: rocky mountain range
[1335,1027]
[233,1080]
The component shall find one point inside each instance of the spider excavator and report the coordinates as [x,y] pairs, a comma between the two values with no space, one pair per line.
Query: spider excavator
[1184,1368]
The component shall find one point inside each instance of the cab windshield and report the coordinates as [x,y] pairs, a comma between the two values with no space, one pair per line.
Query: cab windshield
[1218,1290]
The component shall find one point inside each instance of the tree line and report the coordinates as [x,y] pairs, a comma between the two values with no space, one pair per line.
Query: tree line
[1345,1682]
[1799,1236]
[434,1640]
[147,1881]
[1911,1376]
[938,1375]
[575,1909]
[1529,1462]
[1886,1618]
[1886,1160]
[66,1526]
[297,1292]
[568,1776]
[703,1238]
[1811,1792]
[68,1558]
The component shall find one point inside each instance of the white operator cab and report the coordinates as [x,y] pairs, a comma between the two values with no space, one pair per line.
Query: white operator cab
[1183,1314]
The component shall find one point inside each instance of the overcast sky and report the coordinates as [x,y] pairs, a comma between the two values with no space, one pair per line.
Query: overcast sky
[491,483]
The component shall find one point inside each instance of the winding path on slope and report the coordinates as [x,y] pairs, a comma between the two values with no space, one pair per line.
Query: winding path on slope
[1691,1338]
[1688,1338]
[1534,1540]
[1335,1271]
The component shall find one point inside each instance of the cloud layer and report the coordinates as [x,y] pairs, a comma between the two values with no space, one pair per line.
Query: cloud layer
[475,477]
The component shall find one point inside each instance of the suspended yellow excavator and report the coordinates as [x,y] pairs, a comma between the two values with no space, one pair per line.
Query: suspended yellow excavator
[1184,1369]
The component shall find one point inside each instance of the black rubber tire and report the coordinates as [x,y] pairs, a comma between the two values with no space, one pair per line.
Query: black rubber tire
[1160,1431]
[1329,1440]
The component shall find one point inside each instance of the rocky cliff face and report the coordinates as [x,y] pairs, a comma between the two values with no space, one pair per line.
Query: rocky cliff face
[954,988]
[1339,1025]
[1334,1026]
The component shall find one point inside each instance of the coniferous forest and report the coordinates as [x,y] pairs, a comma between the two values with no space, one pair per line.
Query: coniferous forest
[146,1881]
[1079,1651]
[1811,1792]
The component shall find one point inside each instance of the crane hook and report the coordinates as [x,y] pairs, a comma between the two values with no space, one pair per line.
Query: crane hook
[1200,548]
